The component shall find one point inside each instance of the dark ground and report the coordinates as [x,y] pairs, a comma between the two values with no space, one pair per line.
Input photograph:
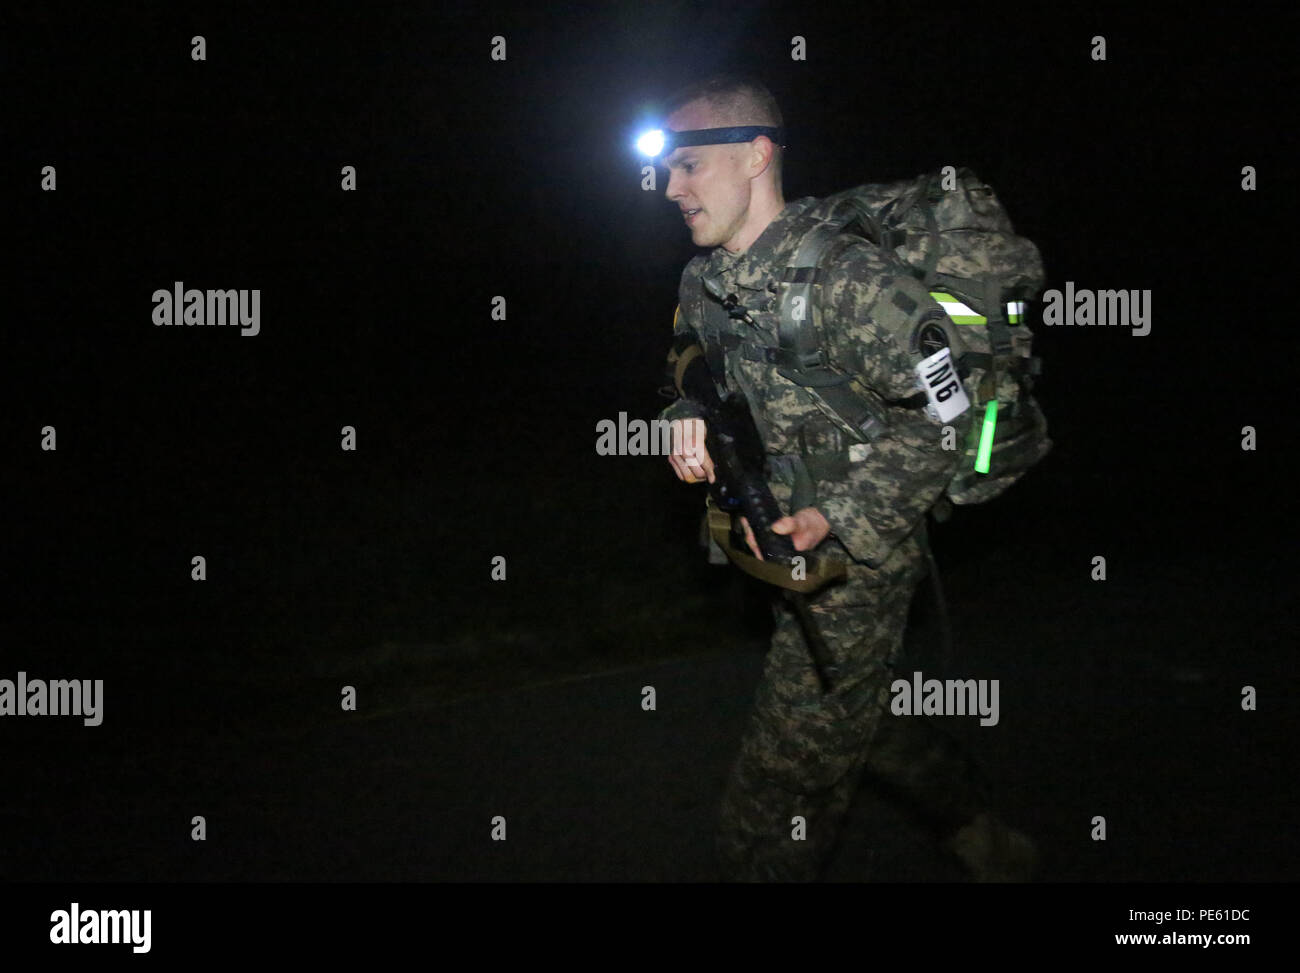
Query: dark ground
[1117,699]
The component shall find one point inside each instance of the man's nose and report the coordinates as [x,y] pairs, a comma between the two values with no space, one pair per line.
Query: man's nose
[670,193]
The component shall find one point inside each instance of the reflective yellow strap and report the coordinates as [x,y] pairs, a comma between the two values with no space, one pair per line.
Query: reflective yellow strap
[955,309]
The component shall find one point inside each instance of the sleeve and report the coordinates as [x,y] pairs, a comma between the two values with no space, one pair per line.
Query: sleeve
[680,408]
[880,495]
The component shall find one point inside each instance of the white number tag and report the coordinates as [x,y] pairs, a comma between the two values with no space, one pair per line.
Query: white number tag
[943,385]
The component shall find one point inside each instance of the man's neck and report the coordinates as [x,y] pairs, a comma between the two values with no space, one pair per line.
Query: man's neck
[770,212]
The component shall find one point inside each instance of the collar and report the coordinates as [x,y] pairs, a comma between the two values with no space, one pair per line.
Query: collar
[772,250]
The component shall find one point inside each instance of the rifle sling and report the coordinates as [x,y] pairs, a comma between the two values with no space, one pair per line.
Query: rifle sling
[819,570]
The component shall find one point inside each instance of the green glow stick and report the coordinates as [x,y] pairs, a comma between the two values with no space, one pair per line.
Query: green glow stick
[986,437]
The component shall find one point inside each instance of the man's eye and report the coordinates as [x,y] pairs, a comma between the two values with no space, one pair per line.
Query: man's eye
[689,166]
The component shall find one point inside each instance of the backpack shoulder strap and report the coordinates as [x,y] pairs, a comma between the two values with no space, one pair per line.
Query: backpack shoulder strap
[797,332]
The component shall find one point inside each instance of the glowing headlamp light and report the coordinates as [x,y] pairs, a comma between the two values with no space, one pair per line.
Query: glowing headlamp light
[659,142]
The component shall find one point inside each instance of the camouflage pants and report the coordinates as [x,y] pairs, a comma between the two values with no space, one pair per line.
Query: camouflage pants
[805,752]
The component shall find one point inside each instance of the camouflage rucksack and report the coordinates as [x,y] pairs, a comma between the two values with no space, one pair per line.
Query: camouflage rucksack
[959,242]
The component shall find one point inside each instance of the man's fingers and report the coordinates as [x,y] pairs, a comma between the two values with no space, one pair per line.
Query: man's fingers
[688,469]
[749,538]
[689,457]
[808,528]
[698,466]
[798,532]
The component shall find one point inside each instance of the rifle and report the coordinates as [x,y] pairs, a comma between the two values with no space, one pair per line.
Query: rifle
[740,488]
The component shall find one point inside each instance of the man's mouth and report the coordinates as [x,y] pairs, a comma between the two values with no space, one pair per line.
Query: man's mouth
[689,214]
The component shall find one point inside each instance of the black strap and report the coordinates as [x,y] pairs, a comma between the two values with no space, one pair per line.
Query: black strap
[799,278]
[931,257]
[979,359]
[995,313]
[945,625]
[751,351]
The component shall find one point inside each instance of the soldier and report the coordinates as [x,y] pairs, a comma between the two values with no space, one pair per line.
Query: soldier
[804,752]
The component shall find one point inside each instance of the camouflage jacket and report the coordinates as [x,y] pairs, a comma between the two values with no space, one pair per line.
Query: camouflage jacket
[873,496]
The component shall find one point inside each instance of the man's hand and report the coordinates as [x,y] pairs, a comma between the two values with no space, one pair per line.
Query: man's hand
[807,528]
[689,459]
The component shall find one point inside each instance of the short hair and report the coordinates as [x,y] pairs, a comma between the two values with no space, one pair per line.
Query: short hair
[736,99]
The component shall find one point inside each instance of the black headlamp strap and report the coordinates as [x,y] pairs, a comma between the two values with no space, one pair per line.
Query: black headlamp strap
[721,136]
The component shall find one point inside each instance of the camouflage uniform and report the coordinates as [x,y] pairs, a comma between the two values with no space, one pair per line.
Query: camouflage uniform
[804,752]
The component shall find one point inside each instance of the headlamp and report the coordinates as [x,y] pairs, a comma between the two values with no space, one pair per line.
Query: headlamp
[659,142]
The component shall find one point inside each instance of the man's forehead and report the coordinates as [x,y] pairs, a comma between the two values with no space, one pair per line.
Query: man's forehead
[696,114]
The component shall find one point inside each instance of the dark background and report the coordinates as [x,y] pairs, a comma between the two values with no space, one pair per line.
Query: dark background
[476,437]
